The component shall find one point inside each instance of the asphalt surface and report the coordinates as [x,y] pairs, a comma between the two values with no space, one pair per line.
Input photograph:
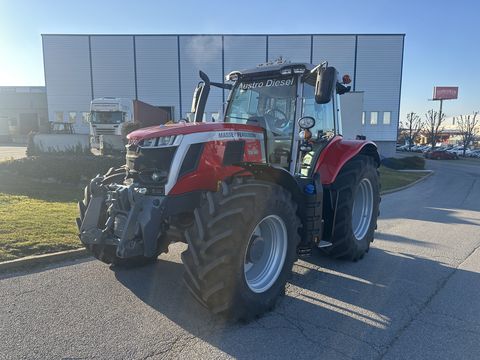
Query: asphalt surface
[416,295]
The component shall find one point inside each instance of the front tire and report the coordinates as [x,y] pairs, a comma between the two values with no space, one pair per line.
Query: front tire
[358,197]
[241,248]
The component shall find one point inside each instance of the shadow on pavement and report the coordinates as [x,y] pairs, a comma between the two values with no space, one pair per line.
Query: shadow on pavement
[338,307]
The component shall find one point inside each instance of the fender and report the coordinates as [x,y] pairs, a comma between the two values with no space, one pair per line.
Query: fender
[274,175]
[338,152]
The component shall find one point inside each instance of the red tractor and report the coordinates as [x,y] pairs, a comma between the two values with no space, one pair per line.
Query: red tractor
[247,195]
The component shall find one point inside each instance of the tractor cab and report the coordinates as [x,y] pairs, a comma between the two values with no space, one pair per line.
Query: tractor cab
[295,103]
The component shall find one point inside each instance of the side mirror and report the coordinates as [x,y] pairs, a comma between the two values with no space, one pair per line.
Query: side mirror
[326,78]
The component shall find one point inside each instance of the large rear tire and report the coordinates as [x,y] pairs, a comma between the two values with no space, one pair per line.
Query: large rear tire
[107,253]
[241,248]
[358,197]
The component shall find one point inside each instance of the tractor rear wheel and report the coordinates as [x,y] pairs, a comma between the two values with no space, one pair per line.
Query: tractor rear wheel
[241,248]
[108,253]
[358,197]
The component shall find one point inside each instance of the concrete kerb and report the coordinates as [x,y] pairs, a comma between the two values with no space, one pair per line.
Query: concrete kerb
[34,261]
[46,259]
[427,172]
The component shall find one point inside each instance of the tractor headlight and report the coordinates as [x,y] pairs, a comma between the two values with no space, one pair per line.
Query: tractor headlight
[162,141]
[166,140]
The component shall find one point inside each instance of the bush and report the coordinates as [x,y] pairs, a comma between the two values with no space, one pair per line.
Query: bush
[407,163]
[68,169]
[129,127]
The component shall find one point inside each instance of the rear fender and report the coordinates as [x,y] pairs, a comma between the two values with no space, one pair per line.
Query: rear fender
[336,154]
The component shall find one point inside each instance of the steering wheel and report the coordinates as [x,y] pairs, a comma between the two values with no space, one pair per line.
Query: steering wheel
[278,124]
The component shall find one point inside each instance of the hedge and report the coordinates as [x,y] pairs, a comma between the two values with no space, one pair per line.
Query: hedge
[407,163]
[68,169]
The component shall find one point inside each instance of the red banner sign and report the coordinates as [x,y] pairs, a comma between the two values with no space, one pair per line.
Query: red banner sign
[445,92]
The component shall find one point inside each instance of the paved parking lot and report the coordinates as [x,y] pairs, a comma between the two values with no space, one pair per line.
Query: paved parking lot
[415,295]
[12,152]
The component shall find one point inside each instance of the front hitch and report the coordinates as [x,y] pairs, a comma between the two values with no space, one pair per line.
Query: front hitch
[123,216]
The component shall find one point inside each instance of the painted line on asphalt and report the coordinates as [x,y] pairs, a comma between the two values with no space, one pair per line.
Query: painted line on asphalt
[34,261]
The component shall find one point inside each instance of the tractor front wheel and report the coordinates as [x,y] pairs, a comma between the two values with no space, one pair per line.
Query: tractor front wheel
[241,248]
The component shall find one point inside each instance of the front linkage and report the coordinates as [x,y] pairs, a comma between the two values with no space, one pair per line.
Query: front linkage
[122,216]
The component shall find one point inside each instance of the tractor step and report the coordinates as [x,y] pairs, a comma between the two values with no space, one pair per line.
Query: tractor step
[304,252]
[324,244]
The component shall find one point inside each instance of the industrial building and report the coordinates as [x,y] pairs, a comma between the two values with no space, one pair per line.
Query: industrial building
[162,70]
[22,109]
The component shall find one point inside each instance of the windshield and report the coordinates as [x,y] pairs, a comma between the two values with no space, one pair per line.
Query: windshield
[107,117]
[270,104]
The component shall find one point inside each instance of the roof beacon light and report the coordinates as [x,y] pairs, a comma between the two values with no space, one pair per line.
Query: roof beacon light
[346,79]
[233,76]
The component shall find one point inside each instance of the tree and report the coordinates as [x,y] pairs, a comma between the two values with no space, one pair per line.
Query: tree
[467,127]
[433,126]
[411,128]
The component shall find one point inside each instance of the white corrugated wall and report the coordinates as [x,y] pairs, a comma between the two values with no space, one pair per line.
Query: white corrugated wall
[157,71]
[339,51]
[379,73]
[157,79]
[201,53]
[113,66]
[291,48]
[67,75]
[244,52]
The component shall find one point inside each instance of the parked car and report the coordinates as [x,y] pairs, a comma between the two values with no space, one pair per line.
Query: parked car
[474,153]
[403,148]
[440,154]
[459,150]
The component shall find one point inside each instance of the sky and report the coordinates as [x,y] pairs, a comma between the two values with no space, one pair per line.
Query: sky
[442,43]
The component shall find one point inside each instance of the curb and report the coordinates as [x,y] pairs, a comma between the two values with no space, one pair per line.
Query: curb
[428,174]
[44,259]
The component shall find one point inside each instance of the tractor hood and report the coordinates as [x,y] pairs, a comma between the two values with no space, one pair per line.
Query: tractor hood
[185,128]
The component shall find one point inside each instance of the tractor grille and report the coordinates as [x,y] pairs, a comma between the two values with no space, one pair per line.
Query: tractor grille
[144,163]
[105,131]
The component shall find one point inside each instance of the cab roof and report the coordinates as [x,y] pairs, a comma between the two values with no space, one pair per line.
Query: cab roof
[271,68]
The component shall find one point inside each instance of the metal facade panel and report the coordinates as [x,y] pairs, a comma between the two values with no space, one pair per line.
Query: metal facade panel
[113,66]
[244,52]
[67,73]
[379,74]
[157,71]
[290,48]
[339,51]
[201,53]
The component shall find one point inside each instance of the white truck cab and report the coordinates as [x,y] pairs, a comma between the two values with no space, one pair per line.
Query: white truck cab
[108,116]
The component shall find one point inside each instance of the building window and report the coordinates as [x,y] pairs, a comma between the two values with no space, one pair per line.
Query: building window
[387,115]
[58,116]
[85,117]
[374,118]
[72,117]
[364,116]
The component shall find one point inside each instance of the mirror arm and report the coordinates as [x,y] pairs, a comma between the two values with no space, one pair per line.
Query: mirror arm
[222,85]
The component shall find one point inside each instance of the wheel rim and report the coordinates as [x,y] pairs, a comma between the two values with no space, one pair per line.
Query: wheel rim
[265,254]
[362,209]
